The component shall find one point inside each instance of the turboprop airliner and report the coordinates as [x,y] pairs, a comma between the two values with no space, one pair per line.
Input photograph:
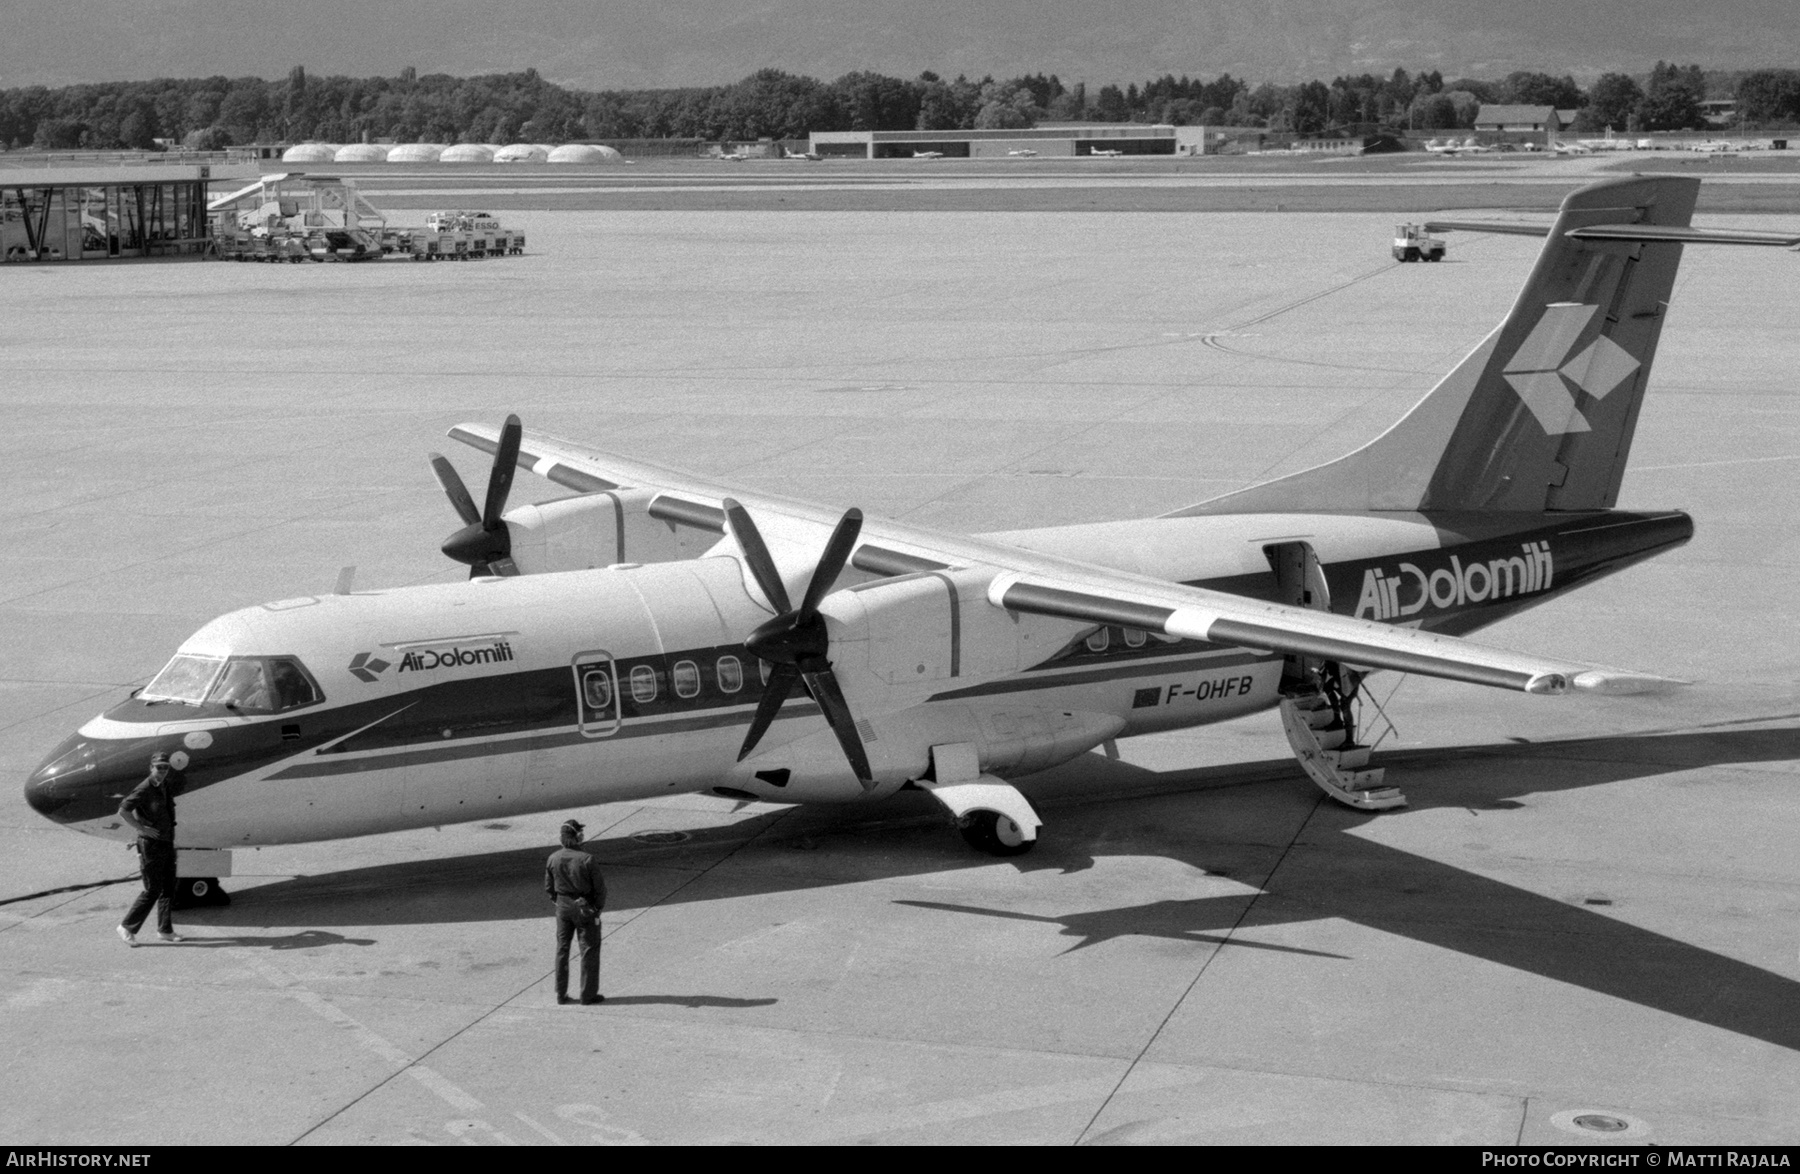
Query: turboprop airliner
[660,631]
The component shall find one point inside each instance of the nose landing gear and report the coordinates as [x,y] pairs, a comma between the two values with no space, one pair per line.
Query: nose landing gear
[200,892]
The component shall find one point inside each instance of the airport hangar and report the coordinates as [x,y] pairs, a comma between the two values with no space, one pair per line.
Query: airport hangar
[98,213]
[1070,139]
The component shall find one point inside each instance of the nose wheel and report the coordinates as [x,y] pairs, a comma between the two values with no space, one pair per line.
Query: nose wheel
[200,892]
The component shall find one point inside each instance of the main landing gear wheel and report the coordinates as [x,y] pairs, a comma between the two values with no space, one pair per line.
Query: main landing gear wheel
[993,833]
[193,892]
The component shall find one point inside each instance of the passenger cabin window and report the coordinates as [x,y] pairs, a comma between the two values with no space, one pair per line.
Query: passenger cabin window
[731,674]
[1099,640]
[184,679]
[687,679]
[1134,637]
[643,684]
[596,687]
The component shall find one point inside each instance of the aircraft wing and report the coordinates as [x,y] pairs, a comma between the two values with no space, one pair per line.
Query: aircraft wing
[1221,618]
[1087,593]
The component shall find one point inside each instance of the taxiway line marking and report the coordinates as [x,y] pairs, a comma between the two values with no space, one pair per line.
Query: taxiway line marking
[370,1039]
[1262,891]
[554,1140]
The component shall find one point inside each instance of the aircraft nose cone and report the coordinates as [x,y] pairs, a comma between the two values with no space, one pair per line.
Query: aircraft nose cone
[69,770]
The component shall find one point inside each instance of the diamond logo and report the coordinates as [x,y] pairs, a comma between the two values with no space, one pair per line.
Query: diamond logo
[1542,371]
[364,667]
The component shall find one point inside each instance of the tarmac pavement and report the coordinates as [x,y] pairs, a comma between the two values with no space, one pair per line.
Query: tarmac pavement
[1591,904]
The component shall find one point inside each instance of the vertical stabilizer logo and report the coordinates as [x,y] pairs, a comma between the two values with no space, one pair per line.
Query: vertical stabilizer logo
[1544,368]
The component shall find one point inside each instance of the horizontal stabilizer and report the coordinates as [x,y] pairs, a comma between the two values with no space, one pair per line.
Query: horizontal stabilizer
[1660,234]
[1505,227]
[1680,235]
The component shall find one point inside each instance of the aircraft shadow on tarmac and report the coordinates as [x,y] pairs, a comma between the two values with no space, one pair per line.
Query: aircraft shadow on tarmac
[1339,876]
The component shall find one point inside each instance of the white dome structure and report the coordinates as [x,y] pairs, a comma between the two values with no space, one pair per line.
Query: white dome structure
[467,153]
[521,153]
[584,153]
[415,153]
[362,153]
[310,153]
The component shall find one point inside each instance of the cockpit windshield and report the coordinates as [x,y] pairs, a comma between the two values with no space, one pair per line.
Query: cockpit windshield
[263,684]
[184,679]
[245,684]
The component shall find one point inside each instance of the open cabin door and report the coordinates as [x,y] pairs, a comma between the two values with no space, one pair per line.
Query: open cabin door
[1299,582]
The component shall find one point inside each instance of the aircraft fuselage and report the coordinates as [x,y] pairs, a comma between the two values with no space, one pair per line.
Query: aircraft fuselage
[500,696]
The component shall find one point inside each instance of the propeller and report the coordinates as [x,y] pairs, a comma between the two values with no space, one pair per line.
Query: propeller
[484,542]
[795,643]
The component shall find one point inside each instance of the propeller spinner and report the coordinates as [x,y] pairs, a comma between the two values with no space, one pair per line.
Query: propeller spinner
[795,643]
[484,542]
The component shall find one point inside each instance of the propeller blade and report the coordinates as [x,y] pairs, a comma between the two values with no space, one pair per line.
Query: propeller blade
[831,563]
[506,462]
[454,489]
[762,567]
[824,686]
[780,684]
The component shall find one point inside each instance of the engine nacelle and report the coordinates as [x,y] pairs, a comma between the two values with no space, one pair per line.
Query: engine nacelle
[598,530]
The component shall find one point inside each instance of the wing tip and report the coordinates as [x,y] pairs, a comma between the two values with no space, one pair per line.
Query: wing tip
[1623,683]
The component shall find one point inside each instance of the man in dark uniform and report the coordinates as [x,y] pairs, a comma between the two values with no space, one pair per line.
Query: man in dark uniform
[150,808]
[573,881]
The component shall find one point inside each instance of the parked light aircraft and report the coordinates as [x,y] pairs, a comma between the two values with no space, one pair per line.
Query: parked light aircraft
[1023,153]
[660,631]
[1106,152]
[928,155]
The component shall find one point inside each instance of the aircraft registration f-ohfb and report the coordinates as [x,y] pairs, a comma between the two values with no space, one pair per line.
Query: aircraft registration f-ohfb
[662,632]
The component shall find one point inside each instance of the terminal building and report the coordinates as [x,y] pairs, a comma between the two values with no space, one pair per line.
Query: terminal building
[1069,139]
[96,213]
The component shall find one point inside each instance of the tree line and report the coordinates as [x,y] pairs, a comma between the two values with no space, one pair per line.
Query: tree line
[214,112]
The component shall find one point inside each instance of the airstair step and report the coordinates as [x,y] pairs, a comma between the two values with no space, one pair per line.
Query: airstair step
[1344,774]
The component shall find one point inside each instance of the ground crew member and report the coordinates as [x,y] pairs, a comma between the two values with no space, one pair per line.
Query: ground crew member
[150,808]
[573,881]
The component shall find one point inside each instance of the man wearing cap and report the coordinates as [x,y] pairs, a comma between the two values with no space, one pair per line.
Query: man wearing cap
[573,881]
[150,808]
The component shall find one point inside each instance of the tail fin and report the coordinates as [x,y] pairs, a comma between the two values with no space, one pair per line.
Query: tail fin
[1540,415]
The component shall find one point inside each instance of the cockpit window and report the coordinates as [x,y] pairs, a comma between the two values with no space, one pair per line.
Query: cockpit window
[255,684]
[244,685]
[293,688]
[184,679]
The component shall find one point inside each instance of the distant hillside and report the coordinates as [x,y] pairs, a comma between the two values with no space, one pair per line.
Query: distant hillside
[629,44]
